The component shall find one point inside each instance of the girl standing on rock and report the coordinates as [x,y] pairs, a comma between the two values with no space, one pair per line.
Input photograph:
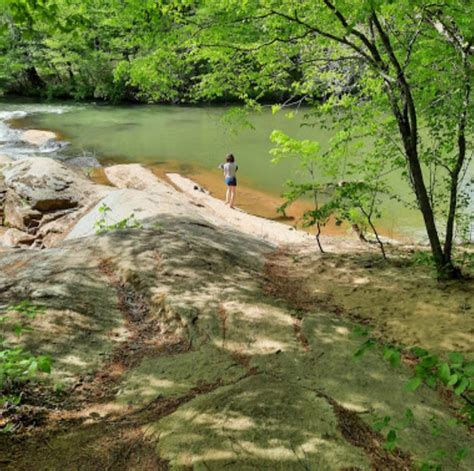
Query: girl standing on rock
[230,168]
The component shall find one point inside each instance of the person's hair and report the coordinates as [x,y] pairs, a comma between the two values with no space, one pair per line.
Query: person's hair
[229,158]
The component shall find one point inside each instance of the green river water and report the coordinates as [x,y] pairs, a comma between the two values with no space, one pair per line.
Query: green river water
[189,140]
[198,137]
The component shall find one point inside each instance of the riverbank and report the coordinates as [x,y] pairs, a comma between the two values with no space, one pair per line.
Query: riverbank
[193,140]
[193,335]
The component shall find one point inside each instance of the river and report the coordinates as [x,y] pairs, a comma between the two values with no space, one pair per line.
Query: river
[189,140]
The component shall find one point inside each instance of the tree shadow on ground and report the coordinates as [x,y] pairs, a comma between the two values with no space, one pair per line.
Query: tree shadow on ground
[250,394]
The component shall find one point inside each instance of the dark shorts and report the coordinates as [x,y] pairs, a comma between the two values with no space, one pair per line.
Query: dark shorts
[231,181]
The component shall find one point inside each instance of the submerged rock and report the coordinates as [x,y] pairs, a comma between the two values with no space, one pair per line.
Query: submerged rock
[83,162]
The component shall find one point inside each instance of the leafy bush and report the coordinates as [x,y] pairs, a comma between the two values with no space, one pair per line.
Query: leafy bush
[16,364]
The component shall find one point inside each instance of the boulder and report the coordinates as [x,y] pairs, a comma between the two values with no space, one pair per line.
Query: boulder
[44,183]
[37,137]
[18,213]
[16,238]
[44,196]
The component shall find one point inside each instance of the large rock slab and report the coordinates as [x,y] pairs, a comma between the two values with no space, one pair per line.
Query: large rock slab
[134,176]
[125,204]
[82,322]
[271,231]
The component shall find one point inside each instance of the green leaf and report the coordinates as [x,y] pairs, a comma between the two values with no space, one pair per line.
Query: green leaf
[462,386]
[453,379]
[395,358]
[469,369]
[275,109]
[419,352]
[44,364]
[391,440]
[367,345]
[8,428]
[444,373]
[456,358]
[431,381]
[413,384]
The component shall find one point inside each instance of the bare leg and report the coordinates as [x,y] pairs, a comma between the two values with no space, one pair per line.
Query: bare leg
[232,196]
[227,195]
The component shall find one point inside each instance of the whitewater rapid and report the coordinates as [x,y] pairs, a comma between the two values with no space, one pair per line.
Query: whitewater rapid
[11,143]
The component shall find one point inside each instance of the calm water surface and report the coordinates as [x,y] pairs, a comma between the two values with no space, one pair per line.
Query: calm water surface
[197,137]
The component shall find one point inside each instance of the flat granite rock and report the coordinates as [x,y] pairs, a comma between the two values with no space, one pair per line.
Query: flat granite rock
[38,137]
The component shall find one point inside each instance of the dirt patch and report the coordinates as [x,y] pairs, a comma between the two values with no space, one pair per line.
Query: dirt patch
[404,304]
[299,334]
[145,339]
[223,319]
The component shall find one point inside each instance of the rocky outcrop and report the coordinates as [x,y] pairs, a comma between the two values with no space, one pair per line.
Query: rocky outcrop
[16,238]
[44,184]
[43,198]
[176,324]
[201,203]
[19,214]
[37,137]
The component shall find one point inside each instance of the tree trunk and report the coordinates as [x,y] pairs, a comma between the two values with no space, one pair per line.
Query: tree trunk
[33,78]
[406,116]
[448,241]
[318,234]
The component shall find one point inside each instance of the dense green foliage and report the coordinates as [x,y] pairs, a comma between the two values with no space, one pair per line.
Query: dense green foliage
[16,364]
[395,73]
